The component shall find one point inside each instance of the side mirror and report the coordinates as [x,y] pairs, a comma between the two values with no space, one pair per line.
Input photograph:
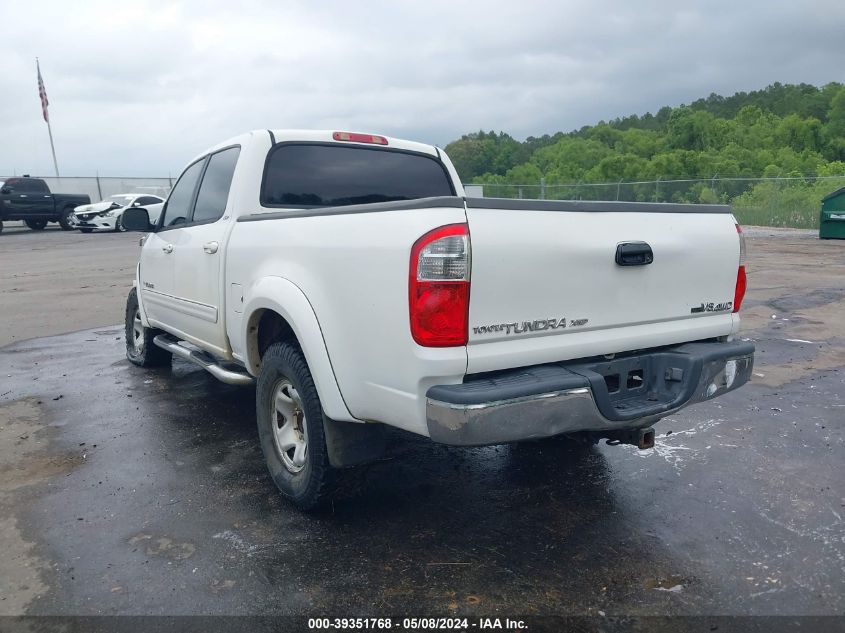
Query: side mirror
[137,219]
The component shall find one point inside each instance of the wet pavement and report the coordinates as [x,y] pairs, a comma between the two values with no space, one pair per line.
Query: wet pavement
[130,491]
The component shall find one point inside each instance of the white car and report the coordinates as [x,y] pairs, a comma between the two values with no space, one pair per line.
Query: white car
[106,215]
[349,277]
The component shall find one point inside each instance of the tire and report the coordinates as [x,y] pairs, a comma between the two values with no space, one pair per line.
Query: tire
[301,471]
[36,225]
[140,349]
[64,219]
[86,230]
[1,226]
[118,225]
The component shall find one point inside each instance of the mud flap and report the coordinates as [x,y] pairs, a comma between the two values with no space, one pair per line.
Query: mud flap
[351,443]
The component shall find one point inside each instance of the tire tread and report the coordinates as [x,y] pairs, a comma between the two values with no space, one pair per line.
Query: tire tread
[322,478]
[153,355]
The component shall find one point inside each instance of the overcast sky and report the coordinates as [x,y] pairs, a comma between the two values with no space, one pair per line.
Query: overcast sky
[138,88]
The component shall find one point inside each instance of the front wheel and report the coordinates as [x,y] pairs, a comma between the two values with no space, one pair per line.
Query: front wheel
[66,219]
[36,225]
[140,349]
[290,427]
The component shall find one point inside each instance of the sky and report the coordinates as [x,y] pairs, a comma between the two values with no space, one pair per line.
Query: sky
[139,88]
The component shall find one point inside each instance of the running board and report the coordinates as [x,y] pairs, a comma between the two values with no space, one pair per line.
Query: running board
[206,361]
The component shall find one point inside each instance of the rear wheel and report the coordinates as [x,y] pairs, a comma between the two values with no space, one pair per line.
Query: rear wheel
[65,219]
[36,225]
[140,349]
[290,427]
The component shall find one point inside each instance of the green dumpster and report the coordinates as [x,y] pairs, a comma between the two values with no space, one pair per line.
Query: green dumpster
[832,221]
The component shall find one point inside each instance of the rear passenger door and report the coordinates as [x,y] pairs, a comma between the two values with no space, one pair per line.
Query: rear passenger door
[199,248]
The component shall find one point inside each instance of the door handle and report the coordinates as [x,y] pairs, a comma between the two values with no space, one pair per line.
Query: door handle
[634,254]
[167,249]
[23,195]
[210,247]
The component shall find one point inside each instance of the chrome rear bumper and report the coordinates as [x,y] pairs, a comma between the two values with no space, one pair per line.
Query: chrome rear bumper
[580,398]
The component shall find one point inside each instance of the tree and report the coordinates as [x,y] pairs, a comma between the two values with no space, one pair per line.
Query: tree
[781,130]
[835,129]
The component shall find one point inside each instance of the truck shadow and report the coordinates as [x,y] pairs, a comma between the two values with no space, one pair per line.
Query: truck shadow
[425,519]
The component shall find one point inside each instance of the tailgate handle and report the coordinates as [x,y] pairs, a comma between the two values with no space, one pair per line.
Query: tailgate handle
[634,254]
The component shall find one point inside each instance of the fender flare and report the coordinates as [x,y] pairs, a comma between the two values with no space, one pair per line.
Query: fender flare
[286,299]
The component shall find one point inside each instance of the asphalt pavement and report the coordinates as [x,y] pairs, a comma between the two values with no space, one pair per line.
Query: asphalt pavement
[130,491]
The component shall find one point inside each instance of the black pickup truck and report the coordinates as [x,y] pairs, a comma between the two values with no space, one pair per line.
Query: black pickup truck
[30,200]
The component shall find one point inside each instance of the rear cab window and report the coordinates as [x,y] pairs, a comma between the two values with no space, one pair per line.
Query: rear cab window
[25,185]
[305,175]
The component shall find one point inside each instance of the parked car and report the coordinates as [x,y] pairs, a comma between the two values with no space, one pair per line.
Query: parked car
[348,277]
[106,215]
[30,200]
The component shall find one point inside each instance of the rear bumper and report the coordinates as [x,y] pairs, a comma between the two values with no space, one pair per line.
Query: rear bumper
[628,392]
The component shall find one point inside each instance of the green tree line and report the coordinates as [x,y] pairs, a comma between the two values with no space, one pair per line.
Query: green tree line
[783,130]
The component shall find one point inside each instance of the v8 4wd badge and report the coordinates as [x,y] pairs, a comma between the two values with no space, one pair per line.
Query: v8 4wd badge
[725,306]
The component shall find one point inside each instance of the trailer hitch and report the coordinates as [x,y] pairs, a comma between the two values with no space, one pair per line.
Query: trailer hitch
[641,438]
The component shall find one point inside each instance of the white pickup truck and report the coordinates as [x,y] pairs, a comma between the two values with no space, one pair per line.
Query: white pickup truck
[349,277]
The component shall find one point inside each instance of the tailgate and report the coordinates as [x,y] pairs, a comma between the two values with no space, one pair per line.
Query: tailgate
[546,284]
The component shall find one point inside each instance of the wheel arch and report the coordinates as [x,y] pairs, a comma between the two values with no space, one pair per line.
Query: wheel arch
[275,309]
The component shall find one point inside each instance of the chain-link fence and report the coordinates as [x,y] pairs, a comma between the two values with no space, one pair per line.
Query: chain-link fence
[788,201]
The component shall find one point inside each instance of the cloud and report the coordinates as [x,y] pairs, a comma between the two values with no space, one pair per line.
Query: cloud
[139,88]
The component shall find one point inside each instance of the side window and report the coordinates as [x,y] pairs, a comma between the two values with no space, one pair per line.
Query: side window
[178,208]
[214,190]
[39,186]
[145,200]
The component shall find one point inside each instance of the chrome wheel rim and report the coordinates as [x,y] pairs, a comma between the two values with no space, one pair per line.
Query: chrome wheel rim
[137,332]
[290,433]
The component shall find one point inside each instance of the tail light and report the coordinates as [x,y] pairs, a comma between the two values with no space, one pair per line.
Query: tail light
[438,287]
[741,281]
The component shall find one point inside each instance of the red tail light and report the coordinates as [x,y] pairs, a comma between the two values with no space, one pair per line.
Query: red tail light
[359,138]
[438,287]
[741,281]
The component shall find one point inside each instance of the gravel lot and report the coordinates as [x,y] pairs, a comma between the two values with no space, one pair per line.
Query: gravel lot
[124,491]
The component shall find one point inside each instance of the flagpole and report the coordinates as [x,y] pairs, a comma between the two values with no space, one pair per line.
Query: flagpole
[52,148]
[43,95]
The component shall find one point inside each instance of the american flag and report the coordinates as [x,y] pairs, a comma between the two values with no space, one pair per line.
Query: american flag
[42,93]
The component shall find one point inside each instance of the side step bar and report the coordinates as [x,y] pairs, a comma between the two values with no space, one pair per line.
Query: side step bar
[206,361]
